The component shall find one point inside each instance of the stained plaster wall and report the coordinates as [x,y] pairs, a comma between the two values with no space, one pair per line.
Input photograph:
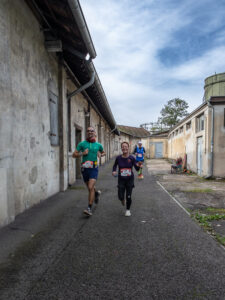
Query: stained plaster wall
[186,142]
[151,143]
[28,163]
[219,141]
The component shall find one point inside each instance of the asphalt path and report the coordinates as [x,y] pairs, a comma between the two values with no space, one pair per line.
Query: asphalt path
[157,253]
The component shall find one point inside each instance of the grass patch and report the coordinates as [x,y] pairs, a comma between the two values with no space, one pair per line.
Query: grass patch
[205,221]
[220,239]
[216,210]
[199,191]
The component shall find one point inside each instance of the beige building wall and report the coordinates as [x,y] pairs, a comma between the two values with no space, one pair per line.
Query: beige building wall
[189,141]
[152,146]
[219,141]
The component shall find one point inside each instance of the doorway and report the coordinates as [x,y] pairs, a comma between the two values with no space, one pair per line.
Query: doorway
[158,150]
[199,156]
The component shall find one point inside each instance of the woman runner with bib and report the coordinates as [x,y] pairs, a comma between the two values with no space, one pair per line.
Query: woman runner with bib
[125,163]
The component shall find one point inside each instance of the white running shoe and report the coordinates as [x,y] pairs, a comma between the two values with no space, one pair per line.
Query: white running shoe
[88,212]
[127,213]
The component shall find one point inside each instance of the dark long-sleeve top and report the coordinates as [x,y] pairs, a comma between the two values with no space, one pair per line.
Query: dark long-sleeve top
[125,165]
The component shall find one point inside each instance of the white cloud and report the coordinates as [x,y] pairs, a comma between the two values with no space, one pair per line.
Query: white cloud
[127,35]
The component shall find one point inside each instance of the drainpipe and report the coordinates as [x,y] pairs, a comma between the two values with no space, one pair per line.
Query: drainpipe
[113,130]
[83,87]
[212,141]
[80,20]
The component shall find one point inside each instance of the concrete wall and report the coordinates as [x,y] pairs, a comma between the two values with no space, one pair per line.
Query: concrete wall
[219,141]
[152,141]
[184,141]
[181,143]
[29,162]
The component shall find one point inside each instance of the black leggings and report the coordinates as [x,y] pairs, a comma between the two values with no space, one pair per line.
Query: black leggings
[125,184]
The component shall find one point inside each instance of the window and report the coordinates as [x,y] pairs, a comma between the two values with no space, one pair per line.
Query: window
[53,107]
[176,132]
[181,129]
[188,125]
[200,123]
[116,146]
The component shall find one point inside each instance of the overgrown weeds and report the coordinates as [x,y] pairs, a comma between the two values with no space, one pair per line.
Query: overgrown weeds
[205,220]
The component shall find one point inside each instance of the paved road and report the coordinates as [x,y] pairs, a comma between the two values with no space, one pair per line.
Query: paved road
[157,253]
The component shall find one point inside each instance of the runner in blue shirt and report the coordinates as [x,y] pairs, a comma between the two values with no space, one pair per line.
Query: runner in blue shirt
[139,151]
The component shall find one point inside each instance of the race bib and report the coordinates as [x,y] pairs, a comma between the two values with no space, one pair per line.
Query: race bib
[125,172]
[88,164]
[139,155]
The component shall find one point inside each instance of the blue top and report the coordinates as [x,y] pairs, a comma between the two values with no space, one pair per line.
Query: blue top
[140,154]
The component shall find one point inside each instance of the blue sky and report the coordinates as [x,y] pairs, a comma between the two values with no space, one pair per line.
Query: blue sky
[151,51]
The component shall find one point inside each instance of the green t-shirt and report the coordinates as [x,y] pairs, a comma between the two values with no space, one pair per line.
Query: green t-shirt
[93,150]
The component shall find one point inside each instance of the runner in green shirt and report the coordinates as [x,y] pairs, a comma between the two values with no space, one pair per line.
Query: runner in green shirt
[89,150]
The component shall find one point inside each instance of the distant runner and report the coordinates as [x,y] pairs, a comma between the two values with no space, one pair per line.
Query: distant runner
[139,151]
[89,150]
[125,163]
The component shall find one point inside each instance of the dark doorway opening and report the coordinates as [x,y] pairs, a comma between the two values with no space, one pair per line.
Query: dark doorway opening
[78,160]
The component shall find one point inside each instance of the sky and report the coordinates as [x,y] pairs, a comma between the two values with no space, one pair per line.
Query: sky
[152,51]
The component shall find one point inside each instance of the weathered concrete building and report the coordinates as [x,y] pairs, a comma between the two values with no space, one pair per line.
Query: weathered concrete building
[50,93]
[133,135]
[201,135]
[158,144]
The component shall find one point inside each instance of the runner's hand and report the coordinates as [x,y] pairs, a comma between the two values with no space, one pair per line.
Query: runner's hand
[114,173]
[85,152]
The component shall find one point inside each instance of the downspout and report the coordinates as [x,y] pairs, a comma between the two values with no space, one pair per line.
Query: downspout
[83,87]
[80,20]
[113,130]
[211,142]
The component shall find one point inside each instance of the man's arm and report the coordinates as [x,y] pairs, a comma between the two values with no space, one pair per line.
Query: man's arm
[101,150]
[102,153]
[77,154]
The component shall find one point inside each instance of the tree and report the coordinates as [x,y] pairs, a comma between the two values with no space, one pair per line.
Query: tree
[173,112]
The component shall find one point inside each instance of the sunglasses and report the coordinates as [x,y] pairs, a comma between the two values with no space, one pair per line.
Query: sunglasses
[90,131]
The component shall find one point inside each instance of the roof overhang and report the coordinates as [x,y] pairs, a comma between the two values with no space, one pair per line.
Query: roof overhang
[63,24]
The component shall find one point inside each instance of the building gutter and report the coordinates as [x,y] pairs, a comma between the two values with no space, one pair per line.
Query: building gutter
[76,82]
[81,23]
[80,20]
[212,141]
